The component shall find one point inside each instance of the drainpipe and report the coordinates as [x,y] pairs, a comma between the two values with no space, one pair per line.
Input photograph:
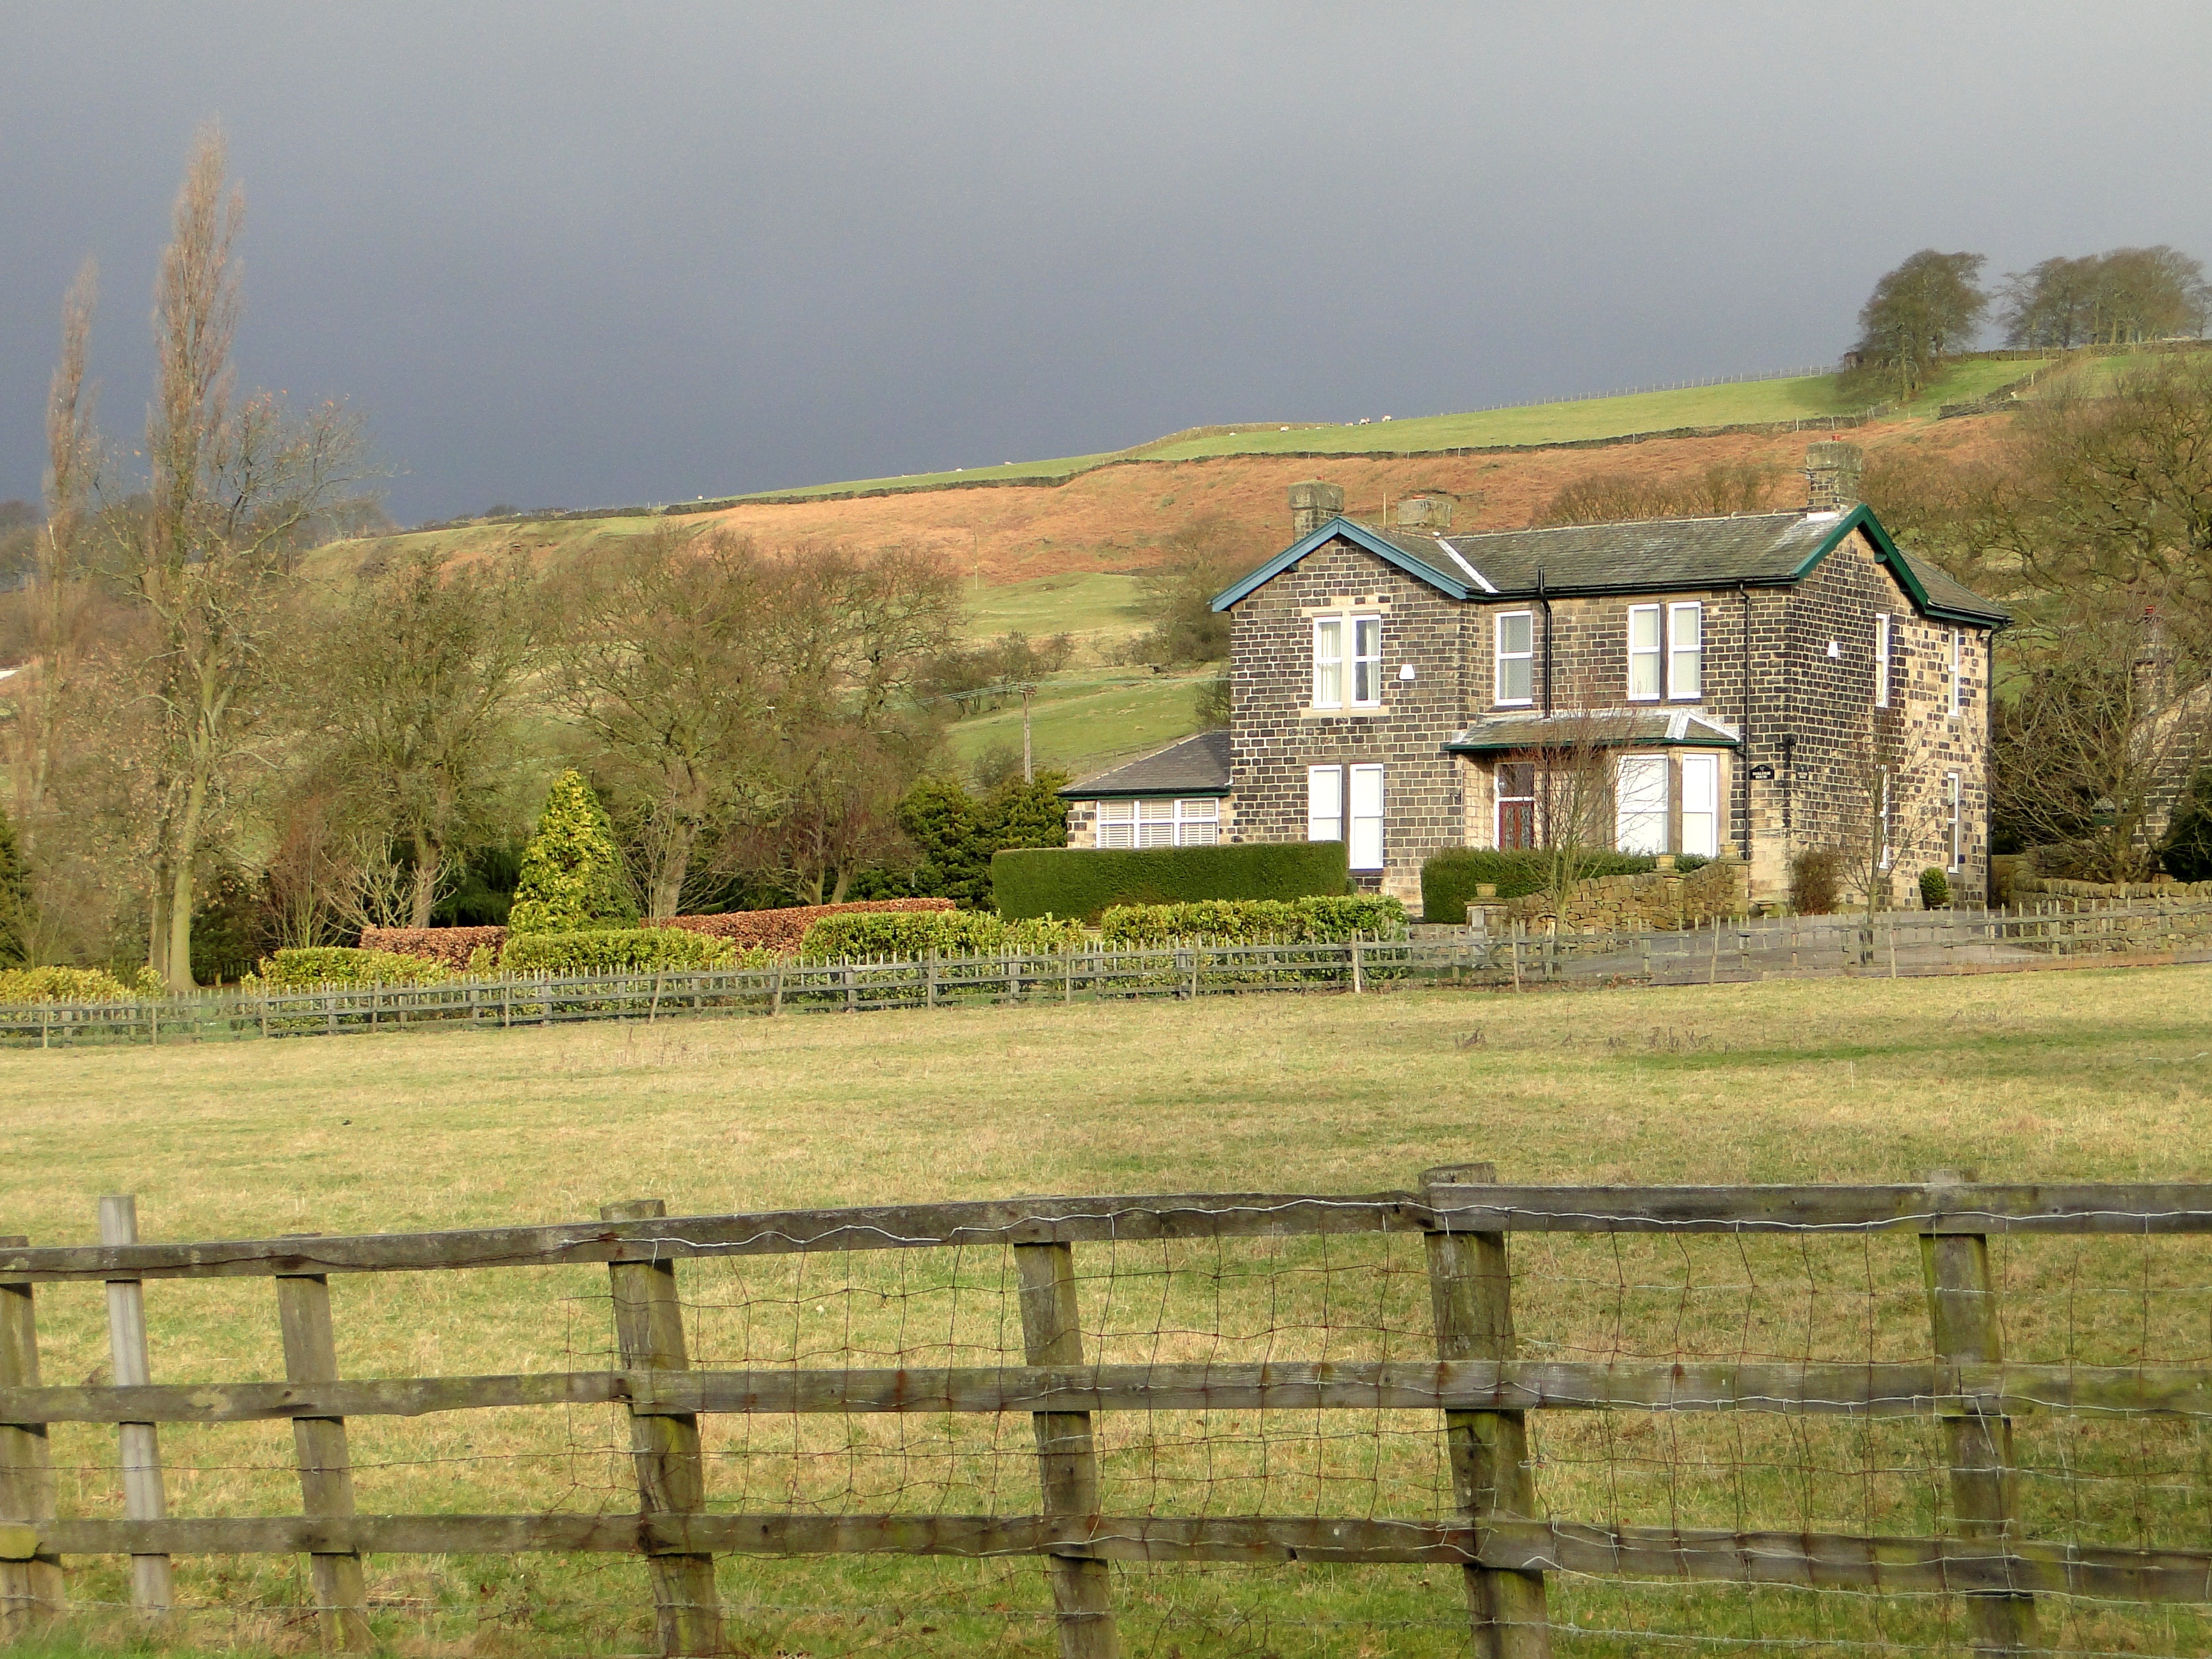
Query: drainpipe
[1743,782]
[1546,604]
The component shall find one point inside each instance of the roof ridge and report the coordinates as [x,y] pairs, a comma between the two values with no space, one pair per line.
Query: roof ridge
[1622,524]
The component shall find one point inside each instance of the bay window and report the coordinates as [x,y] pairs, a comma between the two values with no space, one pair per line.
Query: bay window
[1640,800]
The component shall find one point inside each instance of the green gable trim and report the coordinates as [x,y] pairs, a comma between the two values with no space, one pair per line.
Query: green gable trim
[1359,536]
[1888,554]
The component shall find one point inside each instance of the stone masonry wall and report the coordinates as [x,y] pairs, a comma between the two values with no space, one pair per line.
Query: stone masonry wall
[1276,735]
[1662,899]
[1829,704]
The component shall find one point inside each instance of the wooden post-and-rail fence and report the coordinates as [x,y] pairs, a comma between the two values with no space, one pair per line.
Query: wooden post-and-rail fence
[1507,1548]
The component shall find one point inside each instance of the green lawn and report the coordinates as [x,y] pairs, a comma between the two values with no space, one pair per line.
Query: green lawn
[2096,1075]
[1084,722]
[1095,605]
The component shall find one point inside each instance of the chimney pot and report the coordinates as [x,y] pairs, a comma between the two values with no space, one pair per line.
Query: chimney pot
[1832,476]
[1313,504]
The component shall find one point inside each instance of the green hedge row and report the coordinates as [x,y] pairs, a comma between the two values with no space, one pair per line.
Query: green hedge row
[334,964]
[1061,881]
[612,950]
[1449,879]
[1313,921]
[913,934]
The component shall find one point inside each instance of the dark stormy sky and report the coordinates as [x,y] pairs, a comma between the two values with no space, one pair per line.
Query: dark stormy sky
[575,255]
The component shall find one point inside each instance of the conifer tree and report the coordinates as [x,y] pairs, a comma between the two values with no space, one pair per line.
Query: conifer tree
[572,875]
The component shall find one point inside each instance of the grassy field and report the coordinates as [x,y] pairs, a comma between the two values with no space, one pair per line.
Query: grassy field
[2081,1075]
[1084,722]
[1734,403]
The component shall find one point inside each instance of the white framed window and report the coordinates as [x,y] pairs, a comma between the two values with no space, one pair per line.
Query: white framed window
[1958,652]
[1646,661]
[1686,650]
[1639,801]
[1952,791]
[1159,823]
[1881,659]
[1366,662]
[1328,662]
[1324,803]
[1364,844]
[1517,657]
[1517,805]
[1701,805]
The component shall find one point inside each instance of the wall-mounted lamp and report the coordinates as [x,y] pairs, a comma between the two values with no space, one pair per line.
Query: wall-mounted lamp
[1405,670]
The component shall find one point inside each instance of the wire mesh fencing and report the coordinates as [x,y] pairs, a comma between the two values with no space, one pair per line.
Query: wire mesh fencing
[1940,1418]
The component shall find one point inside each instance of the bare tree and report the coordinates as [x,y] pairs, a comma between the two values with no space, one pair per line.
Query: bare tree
[411,682]
[233,481]
[56,604]
[667,656]
[1573,775]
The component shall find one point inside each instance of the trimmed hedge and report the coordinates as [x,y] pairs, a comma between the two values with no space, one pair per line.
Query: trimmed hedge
[1315,920]
[77,985]
[616,950]
[335,964]
[1449,878]
[452,946]
[781,930]
[1061,881]
[951,932]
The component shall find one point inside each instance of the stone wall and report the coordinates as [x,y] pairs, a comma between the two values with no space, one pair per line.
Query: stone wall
[1276,735]
[1661,899]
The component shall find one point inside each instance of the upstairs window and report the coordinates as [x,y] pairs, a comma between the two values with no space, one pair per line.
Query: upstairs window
[1646,671]
[1347,648]
[1666,652]
[1366,661]
[1686,644]
[1958,652]
[1329,663]
[1881,659]
[1516,653]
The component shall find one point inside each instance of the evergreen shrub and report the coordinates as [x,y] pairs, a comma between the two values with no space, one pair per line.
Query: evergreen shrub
[20,985]
[1332,919]
[2186,853]
[1449,878]
[335,964]
[1086,883]
[1934,889]
[572,875]
[1816,882]
[909,935]
[616,950]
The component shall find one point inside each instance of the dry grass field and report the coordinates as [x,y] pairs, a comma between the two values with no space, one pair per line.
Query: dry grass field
[2097,1075]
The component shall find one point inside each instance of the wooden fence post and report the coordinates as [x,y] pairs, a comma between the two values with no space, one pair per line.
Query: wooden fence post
[311,1355]
[30,1591]
[1471,1294]
[1067,1465]
[1985,1487]
[153,1588]
[671,1480]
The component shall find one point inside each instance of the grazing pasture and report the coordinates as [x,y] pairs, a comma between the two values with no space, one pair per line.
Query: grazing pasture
[2082,1076]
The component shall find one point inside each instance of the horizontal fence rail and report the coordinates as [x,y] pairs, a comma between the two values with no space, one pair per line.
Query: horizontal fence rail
[1511,1552]
[1901,945]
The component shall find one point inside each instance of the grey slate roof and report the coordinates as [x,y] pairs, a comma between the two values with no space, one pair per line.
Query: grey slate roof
[1194,766]
[1654,556]
[1608,728]
[1763,550]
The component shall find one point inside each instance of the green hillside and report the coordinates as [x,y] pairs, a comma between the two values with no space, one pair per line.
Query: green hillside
[1735,403]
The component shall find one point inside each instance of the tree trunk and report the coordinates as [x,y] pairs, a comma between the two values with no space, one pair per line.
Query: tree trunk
[667,896]
[844,881]
[430,862]
[178,968]
[157,922]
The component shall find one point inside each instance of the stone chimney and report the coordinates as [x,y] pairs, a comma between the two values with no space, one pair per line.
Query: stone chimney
[1313,504]
[2153,668]
[1832,477]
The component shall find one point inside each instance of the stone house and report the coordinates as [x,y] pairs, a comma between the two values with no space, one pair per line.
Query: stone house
[1748,687]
